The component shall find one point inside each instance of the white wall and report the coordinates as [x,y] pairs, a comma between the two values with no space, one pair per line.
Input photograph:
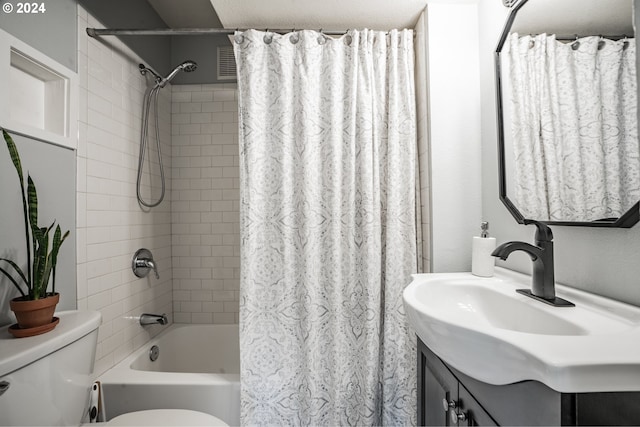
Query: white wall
[206,202]
[111,226]
[603,261]
[424,157]
[454,121]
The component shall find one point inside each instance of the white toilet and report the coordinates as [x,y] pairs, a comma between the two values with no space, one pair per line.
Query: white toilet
[45,380]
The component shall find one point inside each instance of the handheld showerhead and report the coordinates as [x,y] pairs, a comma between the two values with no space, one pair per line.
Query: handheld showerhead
[186,66]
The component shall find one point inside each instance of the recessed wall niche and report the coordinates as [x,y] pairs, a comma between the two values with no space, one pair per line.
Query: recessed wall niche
[41,95]
[38,95]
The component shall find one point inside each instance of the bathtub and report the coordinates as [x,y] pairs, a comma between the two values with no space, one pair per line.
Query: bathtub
[198,368]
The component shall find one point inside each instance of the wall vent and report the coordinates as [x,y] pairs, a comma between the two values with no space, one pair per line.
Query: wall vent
[226,63]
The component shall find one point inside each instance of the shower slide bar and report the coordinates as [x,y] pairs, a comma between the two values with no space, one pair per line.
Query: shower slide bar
[97,32]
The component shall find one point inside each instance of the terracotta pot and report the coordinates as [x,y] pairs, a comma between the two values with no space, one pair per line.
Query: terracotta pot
[34,313]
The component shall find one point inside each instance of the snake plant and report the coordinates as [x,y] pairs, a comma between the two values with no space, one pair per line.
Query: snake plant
[42,264]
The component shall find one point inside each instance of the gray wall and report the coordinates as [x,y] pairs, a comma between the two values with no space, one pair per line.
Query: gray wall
[130,14]
[53,32]
[53,170]
[602,261]
[161,53]
[203,50]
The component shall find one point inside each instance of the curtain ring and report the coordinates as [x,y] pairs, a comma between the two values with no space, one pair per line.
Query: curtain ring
[238,38]
[348,39]
[625,42]
[321,38]
[295,37]
[576,44]
[268,38]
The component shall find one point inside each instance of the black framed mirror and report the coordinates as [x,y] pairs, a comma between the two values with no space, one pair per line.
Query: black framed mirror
[566,87]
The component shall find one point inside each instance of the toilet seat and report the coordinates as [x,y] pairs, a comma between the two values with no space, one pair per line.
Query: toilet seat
[166,417]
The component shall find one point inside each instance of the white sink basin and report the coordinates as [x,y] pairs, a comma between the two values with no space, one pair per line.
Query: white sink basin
[486,330]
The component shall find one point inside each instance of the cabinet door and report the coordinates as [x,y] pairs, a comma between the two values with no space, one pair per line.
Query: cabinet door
[471,413]
[439,392]
[441,399]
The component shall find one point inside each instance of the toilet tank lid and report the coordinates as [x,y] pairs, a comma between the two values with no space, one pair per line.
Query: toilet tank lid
[18,352]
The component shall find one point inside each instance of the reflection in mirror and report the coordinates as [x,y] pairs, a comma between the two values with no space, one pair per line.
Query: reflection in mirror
[568,109]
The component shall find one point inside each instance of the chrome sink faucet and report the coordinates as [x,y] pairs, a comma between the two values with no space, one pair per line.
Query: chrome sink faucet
[543,281]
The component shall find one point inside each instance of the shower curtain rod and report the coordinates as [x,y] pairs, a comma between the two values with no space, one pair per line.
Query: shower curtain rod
[97,32]
[575,37]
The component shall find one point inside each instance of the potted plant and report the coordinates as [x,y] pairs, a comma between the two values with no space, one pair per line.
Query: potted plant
[35,307]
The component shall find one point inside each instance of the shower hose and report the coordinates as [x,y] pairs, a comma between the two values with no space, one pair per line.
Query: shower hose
[151,98]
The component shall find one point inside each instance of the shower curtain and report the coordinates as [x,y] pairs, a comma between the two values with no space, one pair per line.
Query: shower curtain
[574,126]
[328,227]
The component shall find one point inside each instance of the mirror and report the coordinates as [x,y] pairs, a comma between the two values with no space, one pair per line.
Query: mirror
[567,113]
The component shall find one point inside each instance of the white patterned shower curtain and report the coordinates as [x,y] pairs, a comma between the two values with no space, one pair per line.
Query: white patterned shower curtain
[328,227]
[574,128]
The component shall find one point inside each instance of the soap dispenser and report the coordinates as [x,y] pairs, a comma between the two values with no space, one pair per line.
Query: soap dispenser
[482,263]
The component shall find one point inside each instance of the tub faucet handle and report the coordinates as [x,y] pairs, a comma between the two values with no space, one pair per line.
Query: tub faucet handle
[143,263]
[150,263]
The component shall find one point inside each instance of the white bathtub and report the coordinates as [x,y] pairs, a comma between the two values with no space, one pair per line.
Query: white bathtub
[198,368]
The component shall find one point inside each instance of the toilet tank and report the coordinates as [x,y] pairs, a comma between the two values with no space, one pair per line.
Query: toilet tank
[47,377]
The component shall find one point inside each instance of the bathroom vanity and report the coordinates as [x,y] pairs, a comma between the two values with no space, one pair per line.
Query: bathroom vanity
[447,397]
[488,355]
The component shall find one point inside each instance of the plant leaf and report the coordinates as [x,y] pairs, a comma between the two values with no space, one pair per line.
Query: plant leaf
[13,152]
[46,274]
[45,231]
[32,196]
[57,242]
[40,264]
[15,158]
[16,268]
[57,237]
[6,273]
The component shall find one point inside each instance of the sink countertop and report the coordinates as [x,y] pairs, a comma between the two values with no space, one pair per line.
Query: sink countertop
[483,328]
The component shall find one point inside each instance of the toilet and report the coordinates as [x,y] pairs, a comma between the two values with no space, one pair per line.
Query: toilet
[163,417]
[46,379]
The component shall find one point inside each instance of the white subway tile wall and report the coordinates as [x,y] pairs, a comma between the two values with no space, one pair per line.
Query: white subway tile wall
[205,205]
[111,226]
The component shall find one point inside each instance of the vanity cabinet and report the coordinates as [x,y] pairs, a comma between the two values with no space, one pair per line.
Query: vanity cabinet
[444,400]
[447,397]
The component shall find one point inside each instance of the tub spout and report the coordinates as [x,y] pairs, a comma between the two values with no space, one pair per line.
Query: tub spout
[153,319]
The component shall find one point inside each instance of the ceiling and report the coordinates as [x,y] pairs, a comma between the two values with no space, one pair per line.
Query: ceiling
[187,13]
[580,17]
[279,14]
